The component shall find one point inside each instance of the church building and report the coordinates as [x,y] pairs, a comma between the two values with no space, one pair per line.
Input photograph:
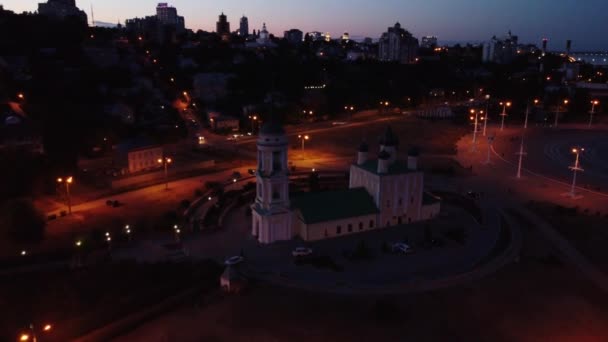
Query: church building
[383,192]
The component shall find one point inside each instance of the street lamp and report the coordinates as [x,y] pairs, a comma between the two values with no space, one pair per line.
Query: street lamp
[475,116]
[303,138]
[490,143]
[504,113]
[177,233]
[557,110]
[165,161]
[575,168]
[31,335]
[485,122]
[253,119]
[536,101]
[349,110]
[109,241]
[20,96]
[593,104]
[521,154]
[128,231]
[67,182]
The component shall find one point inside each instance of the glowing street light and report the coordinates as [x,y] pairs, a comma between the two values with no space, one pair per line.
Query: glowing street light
[178,233]
[565,102]
[253,118]
[504,113]
[128,231]
[536,101]
[31,334]
[20,96]
[67,181]
[165,161]
[593,104]
[475,117]
[303,138]
[575,168]
[521,154]
[485,122]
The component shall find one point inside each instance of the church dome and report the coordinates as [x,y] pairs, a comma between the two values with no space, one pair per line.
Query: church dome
[389,138]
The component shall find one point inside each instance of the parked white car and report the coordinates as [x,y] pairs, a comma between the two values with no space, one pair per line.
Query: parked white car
[301,252]
[402,248]
[235,260]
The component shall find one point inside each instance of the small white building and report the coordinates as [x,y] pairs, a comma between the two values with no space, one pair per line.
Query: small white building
[137,156]
[383,192]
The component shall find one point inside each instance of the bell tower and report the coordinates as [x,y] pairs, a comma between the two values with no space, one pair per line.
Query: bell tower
[271,215]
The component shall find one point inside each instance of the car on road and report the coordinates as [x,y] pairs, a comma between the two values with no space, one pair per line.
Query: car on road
[234,260]
[401,248]
[251,171]
[473,194]
[235,176]
[301,252]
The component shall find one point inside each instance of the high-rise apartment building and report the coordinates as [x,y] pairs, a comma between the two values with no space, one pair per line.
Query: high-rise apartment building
[398,45]
[244,27]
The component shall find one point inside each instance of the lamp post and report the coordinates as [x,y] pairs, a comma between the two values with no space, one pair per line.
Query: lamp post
[504,113]
[593,104]
[475,117]
[557,111]
[575,168]
[128,232]
[165,161]
[528,112]
[177,233]
[485,122]
[31,334]
[490,143]
[67,181]
[521,154]
[303,138]
[349,110]
[253,119]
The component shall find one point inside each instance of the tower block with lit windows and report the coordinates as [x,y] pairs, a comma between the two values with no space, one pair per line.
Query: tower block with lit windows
[271,216]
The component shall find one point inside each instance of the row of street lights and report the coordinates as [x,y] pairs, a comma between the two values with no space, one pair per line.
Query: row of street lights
[521,153]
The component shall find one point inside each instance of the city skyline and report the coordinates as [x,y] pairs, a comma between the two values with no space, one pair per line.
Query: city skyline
[465,20]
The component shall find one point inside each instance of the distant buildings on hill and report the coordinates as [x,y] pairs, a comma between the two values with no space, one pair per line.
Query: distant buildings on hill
[61,9]
[160,27]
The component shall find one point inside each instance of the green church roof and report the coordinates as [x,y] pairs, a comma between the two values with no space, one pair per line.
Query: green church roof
[334,205]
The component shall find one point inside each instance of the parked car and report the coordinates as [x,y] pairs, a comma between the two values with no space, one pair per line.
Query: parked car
[235,260]
[401,248]
[301,252]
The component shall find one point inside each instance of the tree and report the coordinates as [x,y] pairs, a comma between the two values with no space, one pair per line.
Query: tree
[21,222]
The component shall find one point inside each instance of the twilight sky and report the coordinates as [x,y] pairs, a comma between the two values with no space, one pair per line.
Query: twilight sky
[583,21]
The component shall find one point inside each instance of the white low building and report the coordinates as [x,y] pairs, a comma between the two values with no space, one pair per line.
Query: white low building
[383,192]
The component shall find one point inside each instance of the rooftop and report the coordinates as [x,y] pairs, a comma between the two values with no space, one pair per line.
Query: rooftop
[396,168]
[334,205]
